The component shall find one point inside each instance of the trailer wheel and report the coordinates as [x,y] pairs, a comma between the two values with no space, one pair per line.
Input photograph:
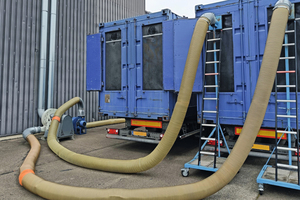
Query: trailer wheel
[261,189]
[185,172]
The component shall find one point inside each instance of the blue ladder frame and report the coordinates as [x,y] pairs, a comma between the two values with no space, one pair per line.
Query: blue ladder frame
[217,132]
[288,130]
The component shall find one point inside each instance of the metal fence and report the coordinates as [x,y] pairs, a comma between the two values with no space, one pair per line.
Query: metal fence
[20,23]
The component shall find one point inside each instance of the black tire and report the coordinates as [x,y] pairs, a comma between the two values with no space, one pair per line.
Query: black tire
[185,173]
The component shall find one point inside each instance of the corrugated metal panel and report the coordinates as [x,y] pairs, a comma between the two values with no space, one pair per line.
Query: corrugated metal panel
[19,60]
[19,55]
[76,19]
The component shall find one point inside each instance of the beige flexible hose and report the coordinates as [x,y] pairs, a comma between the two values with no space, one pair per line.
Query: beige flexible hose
[213,183]
[105,122]
[163,148]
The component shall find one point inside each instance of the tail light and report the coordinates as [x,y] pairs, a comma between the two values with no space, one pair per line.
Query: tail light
[113,131]
[161,136]
[213,142]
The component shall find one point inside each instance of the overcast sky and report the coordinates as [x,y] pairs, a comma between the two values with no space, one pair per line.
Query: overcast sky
[180,7]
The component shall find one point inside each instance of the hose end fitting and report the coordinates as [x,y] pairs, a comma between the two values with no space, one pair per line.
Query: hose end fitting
[283,4]
[30,131]
[210,18]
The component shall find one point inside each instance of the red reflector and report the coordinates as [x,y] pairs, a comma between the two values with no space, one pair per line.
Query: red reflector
[113,131]
[212,142]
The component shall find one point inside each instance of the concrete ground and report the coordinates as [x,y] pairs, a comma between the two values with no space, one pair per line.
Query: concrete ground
[167,173]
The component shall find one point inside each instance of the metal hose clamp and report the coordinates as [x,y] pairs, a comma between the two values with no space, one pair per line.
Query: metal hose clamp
[283,4]
[211,19]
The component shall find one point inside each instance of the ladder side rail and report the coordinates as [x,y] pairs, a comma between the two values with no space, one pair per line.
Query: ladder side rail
[216,92]
[218,68]
[296,97]
[288,94]
[276,134]
[202,106]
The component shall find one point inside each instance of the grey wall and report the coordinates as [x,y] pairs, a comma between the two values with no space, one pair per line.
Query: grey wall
[20,25]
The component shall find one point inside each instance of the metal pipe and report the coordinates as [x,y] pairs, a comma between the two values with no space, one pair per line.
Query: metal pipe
[31,130]
[81,112]
[43,58]
[51,53]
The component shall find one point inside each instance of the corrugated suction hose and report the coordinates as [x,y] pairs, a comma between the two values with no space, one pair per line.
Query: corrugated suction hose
[104,122]
[197,190]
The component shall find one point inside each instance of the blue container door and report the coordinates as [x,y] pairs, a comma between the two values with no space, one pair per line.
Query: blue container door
[93,63]
[147,98]
[114,98]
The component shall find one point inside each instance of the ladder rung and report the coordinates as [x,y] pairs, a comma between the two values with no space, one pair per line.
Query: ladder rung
[287,149]
[210,51]
[210,125]
[215,99]
[286,86]
[287,116]
[287,101]
[213,62]
[213,40]
[290,31]
[207,153]
[287,132]
[210,139]
[286,58]
[209,111]
[211,86]
[290,44]
[287,166]
[286,72]
[211,74]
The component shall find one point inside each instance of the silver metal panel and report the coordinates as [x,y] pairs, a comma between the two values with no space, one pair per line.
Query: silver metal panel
[19,52]
[19,55]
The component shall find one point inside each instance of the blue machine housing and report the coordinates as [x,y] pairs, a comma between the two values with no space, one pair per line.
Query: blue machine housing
[79,125]
[132,85]
[249,30]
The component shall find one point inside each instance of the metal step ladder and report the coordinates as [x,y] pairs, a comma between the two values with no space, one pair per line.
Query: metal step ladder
[210,96]
[290,102]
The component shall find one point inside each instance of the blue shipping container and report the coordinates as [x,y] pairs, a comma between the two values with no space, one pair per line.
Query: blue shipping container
[137,65]
[244,29]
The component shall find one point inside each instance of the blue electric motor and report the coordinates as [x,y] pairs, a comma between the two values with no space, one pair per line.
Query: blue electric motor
[79,125]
